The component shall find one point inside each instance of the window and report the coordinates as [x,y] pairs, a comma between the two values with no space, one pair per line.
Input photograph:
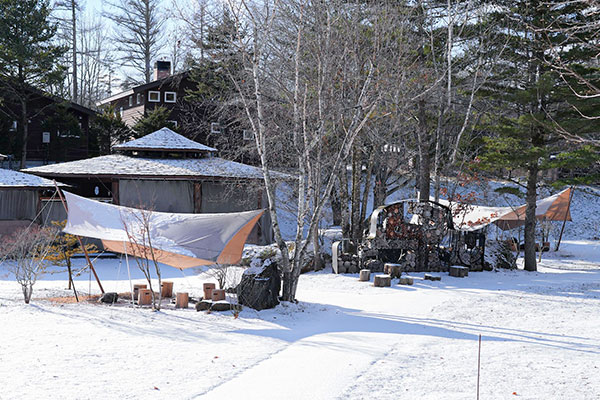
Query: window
[170,97]
[139,98]
[153,96]
[173,122]
[130,101]
[215,127]
[248,135]
[13,126]
[121,113]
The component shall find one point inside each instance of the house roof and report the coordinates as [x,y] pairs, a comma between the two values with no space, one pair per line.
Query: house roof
[164,140]
[123,166]
[16,179]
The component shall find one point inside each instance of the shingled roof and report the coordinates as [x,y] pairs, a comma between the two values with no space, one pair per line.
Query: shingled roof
[16,179]
[164,140]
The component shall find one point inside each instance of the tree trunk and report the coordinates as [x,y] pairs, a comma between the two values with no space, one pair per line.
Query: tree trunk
[74,39]
[336,207]
[25,125]
[425,169]
[530,221]
[356,180]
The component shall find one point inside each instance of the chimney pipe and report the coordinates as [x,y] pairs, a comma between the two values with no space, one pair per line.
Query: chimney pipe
[162,70]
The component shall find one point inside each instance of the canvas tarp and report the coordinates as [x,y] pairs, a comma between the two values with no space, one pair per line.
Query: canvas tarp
[472,217]
[179,240]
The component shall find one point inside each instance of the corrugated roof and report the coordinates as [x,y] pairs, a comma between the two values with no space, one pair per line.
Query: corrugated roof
[127,166]
[163,139]
[16,179]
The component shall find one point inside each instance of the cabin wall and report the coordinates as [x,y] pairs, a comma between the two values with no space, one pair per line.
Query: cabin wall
[18,204]
[157,195]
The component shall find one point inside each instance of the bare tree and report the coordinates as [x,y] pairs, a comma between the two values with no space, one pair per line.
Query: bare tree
[27,250]
[138,227]
[138,35]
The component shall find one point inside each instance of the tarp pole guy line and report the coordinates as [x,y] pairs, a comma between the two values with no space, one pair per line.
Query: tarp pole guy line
[87,257]
[562,229]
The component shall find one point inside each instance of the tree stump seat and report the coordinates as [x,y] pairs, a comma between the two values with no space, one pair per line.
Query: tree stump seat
[382,281]
[458,271]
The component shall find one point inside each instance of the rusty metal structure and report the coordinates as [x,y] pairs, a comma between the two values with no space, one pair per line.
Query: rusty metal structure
[414,236]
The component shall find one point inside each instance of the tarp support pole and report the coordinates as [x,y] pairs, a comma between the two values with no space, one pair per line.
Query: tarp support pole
[87,257]
[562,229]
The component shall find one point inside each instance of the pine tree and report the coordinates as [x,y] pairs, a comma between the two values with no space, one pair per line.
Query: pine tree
[28,59]
[529,97]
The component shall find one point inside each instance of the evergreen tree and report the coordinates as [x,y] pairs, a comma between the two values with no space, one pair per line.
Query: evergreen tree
[28,59]
[108,129]
[152,121]
[529,97]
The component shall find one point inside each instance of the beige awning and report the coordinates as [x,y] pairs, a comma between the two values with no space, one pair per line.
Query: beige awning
[472,217]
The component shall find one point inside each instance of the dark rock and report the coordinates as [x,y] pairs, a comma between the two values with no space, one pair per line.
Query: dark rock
[429,277]
[203,305]
[221,306]
[259,287]
[109,298]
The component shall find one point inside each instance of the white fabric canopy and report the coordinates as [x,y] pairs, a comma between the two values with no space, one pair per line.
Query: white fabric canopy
[179,240]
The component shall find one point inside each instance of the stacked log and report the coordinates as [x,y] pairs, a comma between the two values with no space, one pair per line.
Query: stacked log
[348,263]
[406,281]
[182,300]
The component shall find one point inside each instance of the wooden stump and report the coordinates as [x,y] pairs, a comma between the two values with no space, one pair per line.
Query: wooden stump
[208,288]
[218,294]
[182,300]
[406,281]
[393,270]
[136,289]
[167,289]
[429,277]
[458,271]
[365,275]
[382,281]
[144,297]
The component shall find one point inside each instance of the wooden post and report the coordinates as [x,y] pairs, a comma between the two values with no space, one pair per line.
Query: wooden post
[208,289]
[565,219]
[382,281]
[167,289]
[144,297]
[87,257]
[182,300]
[136,290]
[218,295]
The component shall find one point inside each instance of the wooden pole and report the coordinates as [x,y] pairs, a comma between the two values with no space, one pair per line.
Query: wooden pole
[478,366]
[87,257]
[562,229]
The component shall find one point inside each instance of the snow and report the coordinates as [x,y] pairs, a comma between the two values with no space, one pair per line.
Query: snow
[16,179]
[345,339]
[121,165]
[163,139]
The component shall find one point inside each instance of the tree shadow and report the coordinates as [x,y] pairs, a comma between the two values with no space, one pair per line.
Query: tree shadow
[344,320]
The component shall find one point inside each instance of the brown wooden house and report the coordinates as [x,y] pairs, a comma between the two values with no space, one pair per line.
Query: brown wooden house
[59,130]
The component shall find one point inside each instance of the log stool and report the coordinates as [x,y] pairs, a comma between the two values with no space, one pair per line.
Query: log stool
[144,297]
[218,295]
[166,289]
[365,275]
[208,288]
[182,300]
[406,281]
[429,277]
[136,288]
[393,270]
[458,271]
[382,281]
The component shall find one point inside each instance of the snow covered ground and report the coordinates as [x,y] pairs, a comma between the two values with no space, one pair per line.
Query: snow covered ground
[345,339]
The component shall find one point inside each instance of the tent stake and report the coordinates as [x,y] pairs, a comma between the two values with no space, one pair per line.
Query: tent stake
[87,257]
[565,219]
